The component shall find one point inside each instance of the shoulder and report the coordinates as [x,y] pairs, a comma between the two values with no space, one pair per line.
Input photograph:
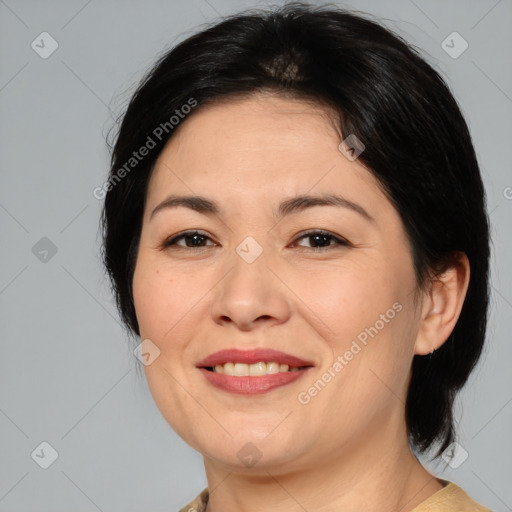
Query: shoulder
[450,498]
[199,504]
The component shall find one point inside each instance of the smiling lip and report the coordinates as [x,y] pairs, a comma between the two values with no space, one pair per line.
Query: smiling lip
[251,357]
[251,385]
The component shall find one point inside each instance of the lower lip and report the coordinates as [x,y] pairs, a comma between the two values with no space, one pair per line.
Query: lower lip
[251,385]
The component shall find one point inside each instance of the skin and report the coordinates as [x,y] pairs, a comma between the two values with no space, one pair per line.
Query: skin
[347,448]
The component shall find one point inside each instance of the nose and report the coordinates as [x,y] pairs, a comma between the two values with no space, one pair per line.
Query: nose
[250,297]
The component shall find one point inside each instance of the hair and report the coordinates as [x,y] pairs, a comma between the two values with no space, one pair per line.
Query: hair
[417,143]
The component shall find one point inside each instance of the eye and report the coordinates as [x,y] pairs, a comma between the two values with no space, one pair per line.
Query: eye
[320,239]
[189,239]
[317,239]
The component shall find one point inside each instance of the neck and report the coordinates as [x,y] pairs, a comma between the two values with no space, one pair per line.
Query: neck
[377,472]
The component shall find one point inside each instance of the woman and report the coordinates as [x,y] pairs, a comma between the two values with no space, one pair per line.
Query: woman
[295,227]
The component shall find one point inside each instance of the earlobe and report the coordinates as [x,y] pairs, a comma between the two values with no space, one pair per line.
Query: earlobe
[441,306]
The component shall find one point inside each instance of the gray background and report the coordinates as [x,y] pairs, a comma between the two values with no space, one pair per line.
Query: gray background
[67,372]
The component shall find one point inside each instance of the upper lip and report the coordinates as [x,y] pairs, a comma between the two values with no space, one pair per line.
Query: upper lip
[252,356]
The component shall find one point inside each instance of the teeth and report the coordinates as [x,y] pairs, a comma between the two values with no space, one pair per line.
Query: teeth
[254,370]
[241,370]
[257,369]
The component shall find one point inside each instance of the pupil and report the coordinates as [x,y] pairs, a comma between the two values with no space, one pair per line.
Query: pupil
[316,237]
[321,240]
[196,239]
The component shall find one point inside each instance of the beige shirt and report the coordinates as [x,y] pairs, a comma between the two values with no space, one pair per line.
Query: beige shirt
[450,498]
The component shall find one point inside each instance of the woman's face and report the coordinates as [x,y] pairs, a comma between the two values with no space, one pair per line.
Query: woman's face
[337,305]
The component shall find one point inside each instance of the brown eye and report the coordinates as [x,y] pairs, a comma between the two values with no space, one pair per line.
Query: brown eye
[190,239]
[320,240]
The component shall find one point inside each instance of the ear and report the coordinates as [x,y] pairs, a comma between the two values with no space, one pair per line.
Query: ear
[441,305]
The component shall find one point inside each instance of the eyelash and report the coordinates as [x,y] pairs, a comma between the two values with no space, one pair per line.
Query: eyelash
[338,241]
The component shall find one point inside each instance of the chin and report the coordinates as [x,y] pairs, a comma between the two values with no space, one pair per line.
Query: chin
[249,451]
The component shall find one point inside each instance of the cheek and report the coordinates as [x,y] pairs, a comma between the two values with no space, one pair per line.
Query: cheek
[150,301]
[365,317]
[345,299]
[160,300]
[161,305]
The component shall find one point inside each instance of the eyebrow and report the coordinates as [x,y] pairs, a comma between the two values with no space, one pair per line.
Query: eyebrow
[296,204]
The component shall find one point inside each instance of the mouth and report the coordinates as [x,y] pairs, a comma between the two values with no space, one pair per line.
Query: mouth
[252,371]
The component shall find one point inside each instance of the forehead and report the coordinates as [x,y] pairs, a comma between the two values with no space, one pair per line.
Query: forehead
[250,125]
[259,147]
